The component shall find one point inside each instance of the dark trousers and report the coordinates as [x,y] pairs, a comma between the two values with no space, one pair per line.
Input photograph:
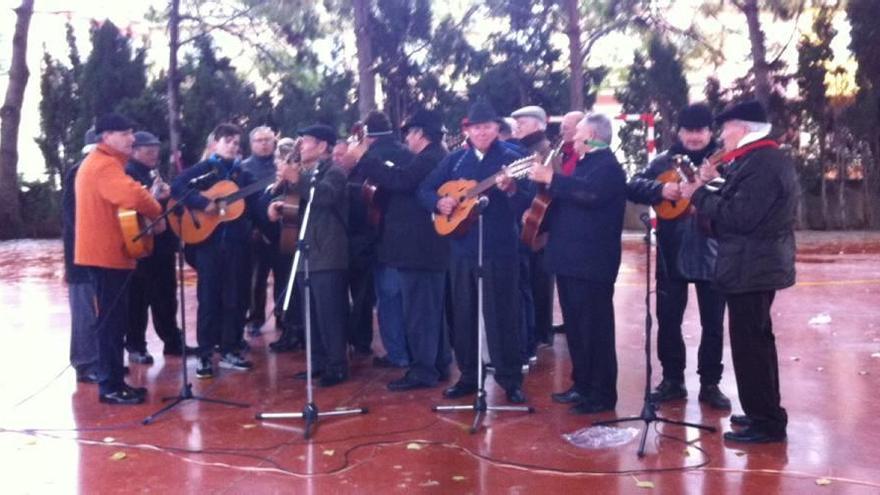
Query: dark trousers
[672,299]
[422,298]
[755,363]
[153,291]
[292,322]
[361,288]
[588,310]
[111,294]
[542,294]
[83,332]
[222,274]
[527,309]
[501,314]
[260,262]
[329,313]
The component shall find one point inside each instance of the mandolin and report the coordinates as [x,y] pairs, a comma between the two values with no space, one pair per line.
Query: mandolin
[533,234]
[682,170]
[467,193]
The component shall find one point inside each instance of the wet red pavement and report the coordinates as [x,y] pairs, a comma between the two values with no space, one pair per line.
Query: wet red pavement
[57,438]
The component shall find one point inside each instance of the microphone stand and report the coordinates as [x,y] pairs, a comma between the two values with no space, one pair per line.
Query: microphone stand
[649,408]
[480,405]
[186,387]
[310,413]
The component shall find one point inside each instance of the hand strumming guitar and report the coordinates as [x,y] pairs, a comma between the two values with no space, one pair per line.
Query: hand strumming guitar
[446,205]
[671,191]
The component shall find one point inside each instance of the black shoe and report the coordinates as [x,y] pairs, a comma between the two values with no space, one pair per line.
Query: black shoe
[406,383]
[302,375]
[140,357]
[559,328]
[546,342]
[362,351]
[284,344]
[459,390]
[515,395]
[234,361]
[712,395]
[590,407]
[331,379]
[175,350]
[126,370]
[669,390]
[123,396]
[753,435]
[570,396]
[205,368]
[142,391]
[253,328]
[384,362]
[87,377]
[740,420]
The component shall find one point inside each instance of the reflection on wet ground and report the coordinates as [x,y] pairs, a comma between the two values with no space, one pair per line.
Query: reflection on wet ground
[828,332]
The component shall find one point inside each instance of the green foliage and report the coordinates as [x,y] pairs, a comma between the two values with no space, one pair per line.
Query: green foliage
[40,209]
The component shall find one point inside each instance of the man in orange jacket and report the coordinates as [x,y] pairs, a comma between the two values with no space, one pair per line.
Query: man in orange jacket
[102,187]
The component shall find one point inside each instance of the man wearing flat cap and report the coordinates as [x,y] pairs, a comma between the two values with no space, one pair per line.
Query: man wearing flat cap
[154,284]
[484,157]
[752,214]
[685,255]
[102,187]
[327,241]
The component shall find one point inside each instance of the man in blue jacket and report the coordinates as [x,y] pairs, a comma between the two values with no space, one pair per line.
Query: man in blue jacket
[584,226]
[482,159]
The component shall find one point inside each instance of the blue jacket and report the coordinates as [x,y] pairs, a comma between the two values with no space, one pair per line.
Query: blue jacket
[585,220]
[500,219]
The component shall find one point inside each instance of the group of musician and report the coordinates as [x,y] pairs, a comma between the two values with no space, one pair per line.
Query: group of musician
[359,252]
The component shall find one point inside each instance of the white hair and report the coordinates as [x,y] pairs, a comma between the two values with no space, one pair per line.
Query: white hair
[601,126]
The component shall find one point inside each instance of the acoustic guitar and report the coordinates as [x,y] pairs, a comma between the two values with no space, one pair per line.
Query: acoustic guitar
[682,170]
[291,220]
[196,225]
[533,234]
[467,192]
[136,246]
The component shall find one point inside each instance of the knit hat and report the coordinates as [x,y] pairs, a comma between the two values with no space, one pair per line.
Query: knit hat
[377,124]
[695,117]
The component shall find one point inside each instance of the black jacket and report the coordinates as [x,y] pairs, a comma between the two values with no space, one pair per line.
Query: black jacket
[259,166]
[585,220]
[407,238]
[753,216]
[685,250]
[164,244]
[500,219]
[73,273]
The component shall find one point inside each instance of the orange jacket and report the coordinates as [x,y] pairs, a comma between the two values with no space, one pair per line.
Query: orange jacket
[102,187]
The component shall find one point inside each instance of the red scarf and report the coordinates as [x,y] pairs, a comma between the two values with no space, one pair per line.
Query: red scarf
[733,155]
[570,159]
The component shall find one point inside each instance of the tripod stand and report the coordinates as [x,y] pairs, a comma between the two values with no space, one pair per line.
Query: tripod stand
[310,413]
[649,408]
[480,405]
[186,392]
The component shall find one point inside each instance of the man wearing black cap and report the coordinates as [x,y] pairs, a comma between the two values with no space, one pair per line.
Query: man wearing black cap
[153,285]
[220,259]
[327,243]
[381,146]
[483,158]
[752,213]
[101,189]
[411,251]
[685,255]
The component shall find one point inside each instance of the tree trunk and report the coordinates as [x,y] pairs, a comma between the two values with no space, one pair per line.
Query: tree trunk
[366,78]
[576,61]
[759,51]
[10,118]
[174,88]
[842,177]
[823,184]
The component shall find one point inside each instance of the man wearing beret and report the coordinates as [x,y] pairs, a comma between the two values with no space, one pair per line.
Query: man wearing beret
[220,259]
[483,158]
[752,208]
[102,187]
[685,255]
[327,243]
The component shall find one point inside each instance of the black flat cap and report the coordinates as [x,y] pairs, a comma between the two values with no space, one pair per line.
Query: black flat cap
[320,132]
[695,117]
[750,111]
[110,122]
[144,138]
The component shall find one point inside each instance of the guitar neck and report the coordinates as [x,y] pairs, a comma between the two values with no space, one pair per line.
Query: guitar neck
[249,189]
[516,169]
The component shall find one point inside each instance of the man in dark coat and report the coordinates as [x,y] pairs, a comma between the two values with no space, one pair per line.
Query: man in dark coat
[484,157]
[409,245]
[685,255]
[327,254]
[584,226]
[752,213]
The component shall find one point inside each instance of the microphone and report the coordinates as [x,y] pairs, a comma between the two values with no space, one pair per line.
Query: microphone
[483,202]
[202,180]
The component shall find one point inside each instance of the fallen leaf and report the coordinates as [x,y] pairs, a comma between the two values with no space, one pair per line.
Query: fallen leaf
[329,452]
[398,466]
[876,355]
[31,441]
[249,426]
[687,453]
[118,456]
[823,482]
[863,372]
[413,446]
[739,453]
[430,483]
[795,358]
[820,368]
[645,484]
[109,439]
[458,478]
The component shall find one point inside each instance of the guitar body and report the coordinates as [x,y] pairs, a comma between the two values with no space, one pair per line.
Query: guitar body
[290,224]
[533,234]
[670,210]
[372,196]
[457,223]
[132,224]
[205,224]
